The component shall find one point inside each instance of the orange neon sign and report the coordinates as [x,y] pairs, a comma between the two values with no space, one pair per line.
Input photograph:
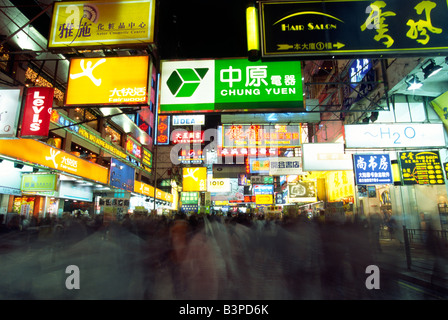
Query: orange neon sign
[109,81]
[39,153]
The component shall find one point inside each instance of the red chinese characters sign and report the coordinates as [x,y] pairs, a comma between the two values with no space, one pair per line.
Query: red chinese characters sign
[252,136]
[37,112]
[183,136]
[163,130]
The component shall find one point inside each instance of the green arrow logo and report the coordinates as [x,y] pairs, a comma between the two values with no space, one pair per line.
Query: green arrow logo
[184,82]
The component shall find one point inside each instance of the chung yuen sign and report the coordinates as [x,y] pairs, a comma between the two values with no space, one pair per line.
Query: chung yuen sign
[230,85]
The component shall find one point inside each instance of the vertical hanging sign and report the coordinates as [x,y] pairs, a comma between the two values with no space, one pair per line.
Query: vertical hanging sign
[37,112]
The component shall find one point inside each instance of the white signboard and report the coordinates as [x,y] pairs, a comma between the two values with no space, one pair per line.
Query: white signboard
[219,185]
[325,157]
[189,120]
[283,166]
[10,100]
[403,135]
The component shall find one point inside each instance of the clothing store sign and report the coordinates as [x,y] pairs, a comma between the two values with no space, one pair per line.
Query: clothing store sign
[403,135]
[106,23]
[230,85]
[37,112]
[10,100]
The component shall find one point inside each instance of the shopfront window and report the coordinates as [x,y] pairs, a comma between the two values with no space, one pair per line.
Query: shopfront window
[113,135]
[82,114]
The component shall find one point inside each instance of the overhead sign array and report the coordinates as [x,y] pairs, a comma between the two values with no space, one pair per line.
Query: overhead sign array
[344,27]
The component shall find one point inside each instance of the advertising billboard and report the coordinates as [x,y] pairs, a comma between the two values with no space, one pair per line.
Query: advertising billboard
[121,175]
[37,112]
[372,169]
[10,100]
[194,179]
[108,81]
[422,167]
[396,135]
[352,27]
[101,23]
[230,85]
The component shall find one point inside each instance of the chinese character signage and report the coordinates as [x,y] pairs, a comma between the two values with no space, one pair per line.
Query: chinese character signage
[40,153]
[189,197]
[184,136]
[39,182]
[258,136]
[194,179]
[421,168]
[10,100]
[372,169]
[358,70]
[107,23]
[163,130]
[347,27]
[395,135]
[282,166]
[230,85]
[108,81]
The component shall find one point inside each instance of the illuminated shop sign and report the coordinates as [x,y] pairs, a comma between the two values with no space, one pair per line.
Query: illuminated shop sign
[189,120]
[183,136]
[230,85]
[262,199]
[263,189]
[325,157]
[37,112]
[194,179]
[259,165]
[108,81]
[372,169]
[395,135]
[147,157]
[87,134]
[257,136]
[191,156]
[163,130]
[10,100]
[134,148]
[37,152]
[347,27]
[302,191]
[39,182]
[282,166]
[121,175]
[248,151]
[95,23]
[422,167]
[218,185]
[358,70]
[189,197]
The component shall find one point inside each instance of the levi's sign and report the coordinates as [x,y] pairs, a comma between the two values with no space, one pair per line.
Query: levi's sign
[348,27]
[230,85]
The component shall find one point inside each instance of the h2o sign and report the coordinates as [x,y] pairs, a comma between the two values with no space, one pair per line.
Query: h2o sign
[219,185]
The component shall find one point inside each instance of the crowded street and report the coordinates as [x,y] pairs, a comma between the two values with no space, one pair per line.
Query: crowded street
[204,258]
